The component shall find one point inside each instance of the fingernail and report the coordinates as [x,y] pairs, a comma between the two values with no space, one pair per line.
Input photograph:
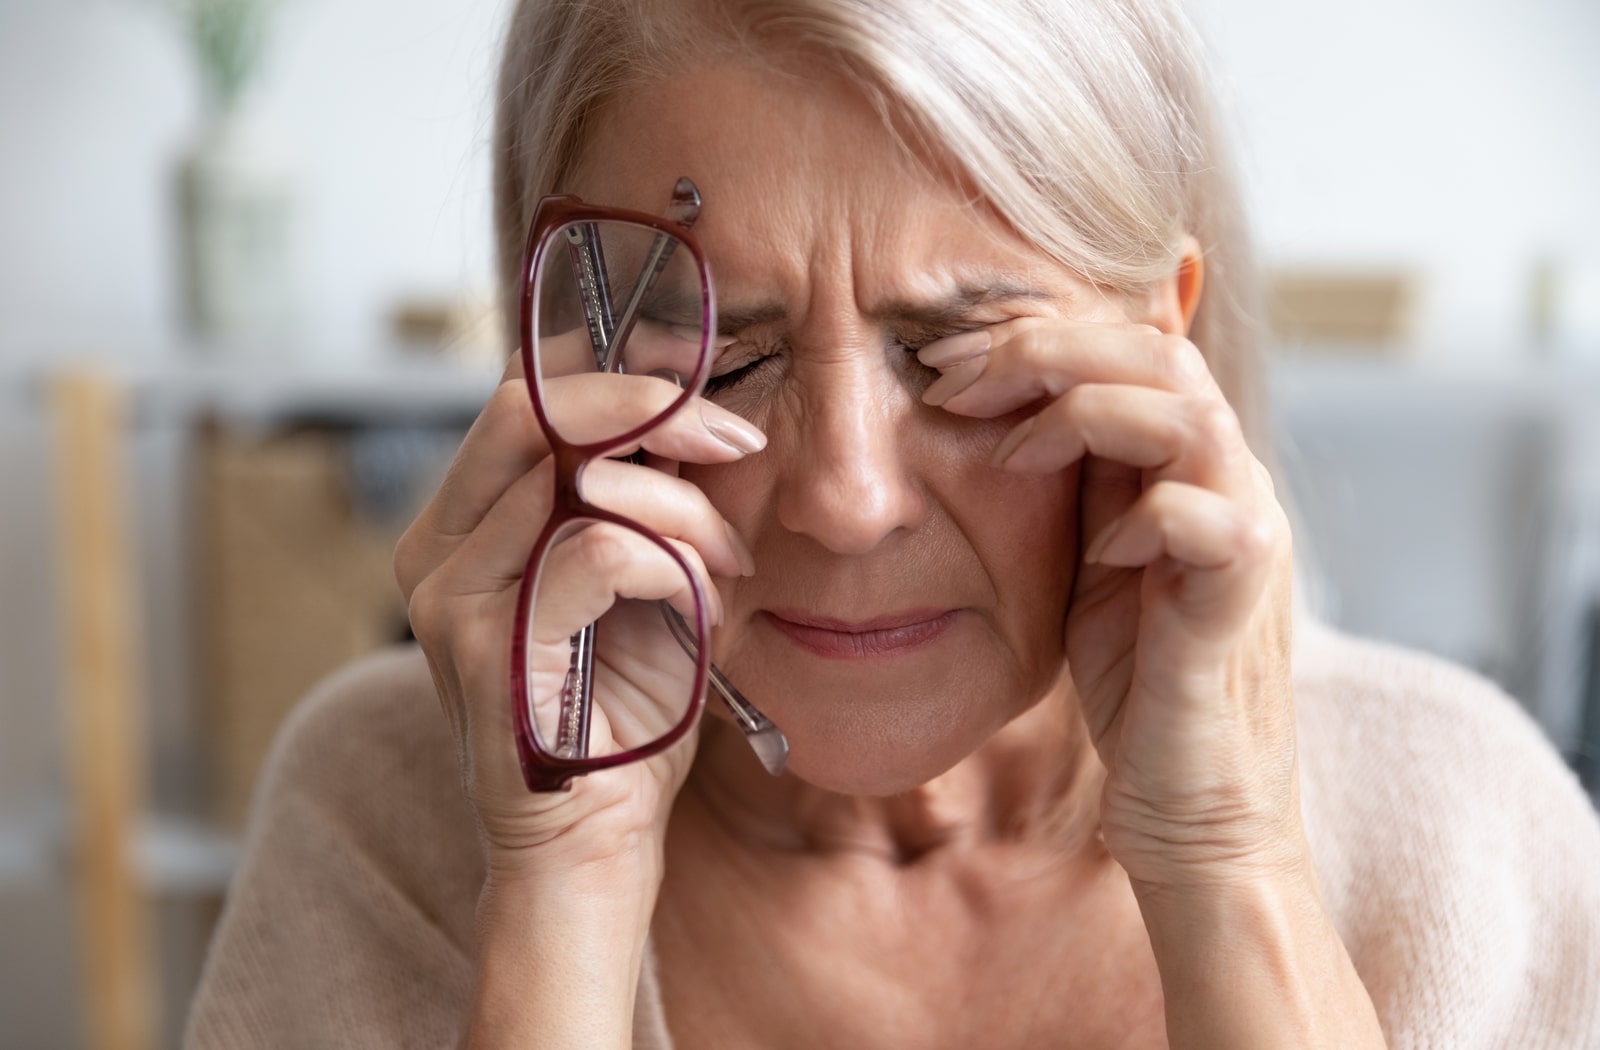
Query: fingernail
[957,379]
[733,431]
[690,334]
[941,353]
[741,551]
[1017,436]
[1102,541]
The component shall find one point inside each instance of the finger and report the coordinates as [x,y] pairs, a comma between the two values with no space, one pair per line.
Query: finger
[585,573]
[506,442]
[496,553]
[592,408]
[1030,359]
[1177,437]
[503,444]
[1222,553]
[672,352]
[1106,490]
[513,369]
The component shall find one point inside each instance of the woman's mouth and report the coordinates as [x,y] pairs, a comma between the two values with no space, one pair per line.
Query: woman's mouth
[891,635]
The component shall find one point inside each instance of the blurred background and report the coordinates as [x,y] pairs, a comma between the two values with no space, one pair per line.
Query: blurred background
[246,283]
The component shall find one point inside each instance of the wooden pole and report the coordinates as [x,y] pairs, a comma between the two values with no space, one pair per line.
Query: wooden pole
[102,712]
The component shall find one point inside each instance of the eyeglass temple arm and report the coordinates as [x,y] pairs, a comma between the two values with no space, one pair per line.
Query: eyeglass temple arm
[764,738]
[593,290]
[572,731]
[683,209]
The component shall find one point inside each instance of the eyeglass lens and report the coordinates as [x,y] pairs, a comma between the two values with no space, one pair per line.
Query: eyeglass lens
[613,296]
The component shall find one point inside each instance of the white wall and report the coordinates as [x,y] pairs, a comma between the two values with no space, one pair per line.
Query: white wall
[1462,136]
[382,106]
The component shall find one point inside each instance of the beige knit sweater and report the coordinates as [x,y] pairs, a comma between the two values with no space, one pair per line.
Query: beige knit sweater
[1460,859]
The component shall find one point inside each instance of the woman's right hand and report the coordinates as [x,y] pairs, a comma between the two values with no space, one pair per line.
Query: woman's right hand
[460,565]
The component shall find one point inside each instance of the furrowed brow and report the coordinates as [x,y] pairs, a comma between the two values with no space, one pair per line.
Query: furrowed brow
[952,308]
[960,304]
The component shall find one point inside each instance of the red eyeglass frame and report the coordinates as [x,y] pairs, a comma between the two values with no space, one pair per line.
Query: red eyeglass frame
[542,770]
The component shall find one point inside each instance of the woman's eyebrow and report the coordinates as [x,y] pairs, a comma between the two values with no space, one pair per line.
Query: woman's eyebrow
[958,305]
[949,308]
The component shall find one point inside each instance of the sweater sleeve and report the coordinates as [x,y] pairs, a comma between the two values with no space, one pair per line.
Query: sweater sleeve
[349,923]
[1459,856]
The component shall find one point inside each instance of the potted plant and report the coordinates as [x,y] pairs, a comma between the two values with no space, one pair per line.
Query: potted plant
[234,186]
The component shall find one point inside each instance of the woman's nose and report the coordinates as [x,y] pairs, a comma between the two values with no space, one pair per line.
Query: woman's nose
[850,483]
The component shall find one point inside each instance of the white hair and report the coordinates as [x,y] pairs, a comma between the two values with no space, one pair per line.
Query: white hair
[1088,125]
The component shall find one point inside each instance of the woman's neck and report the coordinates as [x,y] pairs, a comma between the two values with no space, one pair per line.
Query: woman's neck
[1035,782]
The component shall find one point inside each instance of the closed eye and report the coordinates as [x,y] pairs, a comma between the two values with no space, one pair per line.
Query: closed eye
[913,340]
[728,380]
[749,361]
[741,359]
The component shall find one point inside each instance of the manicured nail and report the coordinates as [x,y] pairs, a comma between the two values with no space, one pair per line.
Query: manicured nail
[733,431]
[942,353]
[957,379]
[741,551]
[1003,451]
[1098,546]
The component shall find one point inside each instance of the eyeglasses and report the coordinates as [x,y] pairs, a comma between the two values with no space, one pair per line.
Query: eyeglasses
[602,680]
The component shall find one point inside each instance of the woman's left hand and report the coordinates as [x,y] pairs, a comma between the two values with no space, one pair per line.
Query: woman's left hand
[1178,632]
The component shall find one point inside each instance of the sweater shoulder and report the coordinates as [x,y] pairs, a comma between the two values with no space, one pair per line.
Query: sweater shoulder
[379,714]
[350,919]
[1383,724]
[1458,854]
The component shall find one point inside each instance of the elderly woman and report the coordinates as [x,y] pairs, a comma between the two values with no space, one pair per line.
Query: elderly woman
[886,377]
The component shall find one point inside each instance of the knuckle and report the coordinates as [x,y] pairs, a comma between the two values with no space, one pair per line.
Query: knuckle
[1257,535]
[1029,345]
[1078,401]
[510,393]
[1183,362]
[1166,501]
[1214,425]
[428,623]
[509,412]
[602,549]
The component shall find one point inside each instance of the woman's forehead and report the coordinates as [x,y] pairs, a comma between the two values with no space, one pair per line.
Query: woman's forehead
[801,178]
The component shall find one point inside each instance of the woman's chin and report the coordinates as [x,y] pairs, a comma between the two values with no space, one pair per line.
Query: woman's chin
[876,751]
[880,727]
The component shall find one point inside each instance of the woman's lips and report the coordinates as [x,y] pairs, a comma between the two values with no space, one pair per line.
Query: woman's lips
[890,635]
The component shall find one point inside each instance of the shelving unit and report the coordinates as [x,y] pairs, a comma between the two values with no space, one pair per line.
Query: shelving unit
[121,854]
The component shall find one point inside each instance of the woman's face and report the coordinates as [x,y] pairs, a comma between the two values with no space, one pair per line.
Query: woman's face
[908,598]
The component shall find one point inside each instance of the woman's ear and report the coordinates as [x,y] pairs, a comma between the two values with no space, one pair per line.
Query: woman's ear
[1174,299]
